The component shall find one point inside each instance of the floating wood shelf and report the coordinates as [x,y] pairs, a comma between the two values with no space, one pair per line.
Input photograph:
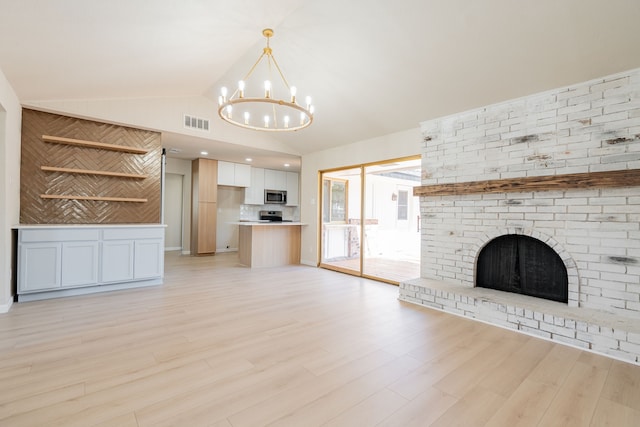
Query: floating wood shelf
[106,199]
[619,178]
[93,144]
[92,172]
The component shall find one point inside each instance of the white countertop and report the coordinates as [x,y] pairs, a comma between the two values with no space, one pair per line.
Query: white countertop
[267,223]
[36,226]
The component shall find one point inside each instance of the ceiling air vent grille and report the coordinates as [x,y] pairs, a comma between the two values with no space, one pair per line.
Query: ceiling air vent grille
[198,123]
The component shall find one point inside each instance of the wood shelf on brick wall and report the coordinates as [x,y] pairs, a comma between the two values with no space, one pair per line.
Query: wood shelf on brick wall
[619,178]
[93,144]
[92,172]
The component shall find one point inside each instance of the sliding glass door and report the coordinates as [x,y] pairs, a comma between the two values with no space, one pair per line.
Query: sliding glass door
[370,220]
[341,201]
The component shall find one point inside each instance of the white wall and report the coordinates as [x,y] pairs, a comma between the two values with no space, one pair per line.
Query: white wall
[183,167]
[401,144]
[10,128]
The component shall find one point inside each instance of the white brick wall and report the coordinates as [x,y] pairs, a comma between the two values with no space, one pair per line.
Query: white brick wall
[588,127]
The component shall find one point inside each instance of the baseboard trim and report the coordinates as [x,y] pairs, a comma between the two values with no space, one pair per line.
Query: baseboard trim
[4,308]
[227,250]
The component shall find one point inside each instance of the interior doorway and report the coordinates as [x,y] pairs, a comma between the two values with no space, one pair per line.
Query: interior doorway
[173,212]
[371,220]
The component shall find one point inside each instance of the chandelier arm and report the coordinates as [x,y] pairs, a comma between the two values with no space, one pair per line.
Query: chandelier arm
[253,68]
[286,83]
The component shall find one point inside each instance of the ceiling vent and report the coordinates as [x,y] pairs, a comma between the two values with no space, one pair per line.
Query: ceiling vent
[198,123]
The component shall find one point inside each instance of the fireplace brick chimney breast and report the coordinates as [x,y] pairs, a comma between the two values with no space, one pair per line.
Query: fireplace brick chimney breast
[585,128]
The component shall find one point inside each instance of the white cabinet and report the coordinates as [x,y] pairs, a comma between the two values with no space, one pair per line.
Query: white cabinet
[79,263]
[39,266]
[292,189]
[117,261]
[234,174]
[254,194]
[71,260]
[148,258]
[270,179]
[275,180]
[132,255]
[226,173]
[242,175]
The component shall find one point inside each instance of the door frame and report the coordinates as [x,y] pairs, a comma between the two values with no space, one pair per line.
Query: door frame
[362,167]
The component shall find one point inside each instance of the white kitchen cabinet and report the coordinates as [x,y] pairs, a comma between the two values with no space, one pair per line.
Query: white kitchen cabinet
[226,173]
[254,194]
[79,263]
[293,190]
[117,261]
[275,180]
[39,266]
[234,174]
[61,260]
[242,175]
[148,258]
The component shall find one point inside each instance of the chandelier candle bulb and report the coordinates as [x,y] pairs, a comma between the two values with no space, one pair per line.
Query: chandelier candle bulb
[267,104]
[267,89]
[241,89]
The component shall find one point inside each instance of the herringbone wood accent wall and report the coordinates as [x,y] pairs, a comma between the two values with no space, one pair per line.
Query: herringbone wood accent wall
[34,181]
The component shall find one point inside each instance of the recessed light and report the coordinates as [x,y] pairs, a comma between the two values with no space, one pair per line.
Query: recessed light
[248,159]
[204,153]
[286,165]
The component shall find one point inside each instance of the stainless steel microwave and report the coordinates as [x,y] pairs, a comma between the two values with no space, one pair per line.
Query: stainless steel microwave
[275,197]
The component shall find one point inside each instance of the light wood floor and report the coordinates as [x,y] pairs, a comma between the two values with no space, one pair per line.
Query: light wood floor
[392,270]
[220,345]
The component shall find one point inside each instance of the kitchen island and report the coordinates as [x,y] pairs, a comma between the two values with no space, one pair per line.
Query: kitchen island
[269,244]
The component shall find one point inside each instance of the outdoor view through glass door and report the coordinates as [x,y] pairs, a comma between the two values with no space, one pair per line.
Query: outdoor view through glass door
[370,220]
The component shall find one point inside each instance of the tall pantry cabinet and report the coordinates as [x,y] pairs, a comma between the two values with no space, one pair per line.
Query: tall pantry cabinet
[204,196]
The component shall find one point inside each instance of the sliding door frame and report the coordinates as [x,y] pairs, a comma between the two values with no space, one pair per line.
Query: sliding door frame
[362,167]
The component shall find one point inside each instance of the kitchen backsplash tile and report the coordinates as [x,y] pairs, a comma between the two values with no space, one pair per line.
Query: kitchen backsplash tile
[252,212]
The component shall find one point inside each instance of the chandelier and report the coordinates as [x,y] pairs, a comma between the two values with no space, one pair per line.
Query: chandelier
[269,112]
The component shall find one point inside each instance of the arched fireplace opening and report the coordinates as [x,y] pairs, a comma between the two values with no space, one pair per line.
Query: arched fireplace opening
[524,265]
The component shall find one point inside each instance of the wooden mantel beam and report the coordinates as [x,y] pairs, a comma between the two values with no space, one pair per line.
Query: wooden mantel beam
[619,178]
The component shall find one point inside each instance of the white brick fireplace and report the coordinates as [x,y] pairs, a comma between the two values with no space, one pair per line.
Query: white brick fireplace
[565,137]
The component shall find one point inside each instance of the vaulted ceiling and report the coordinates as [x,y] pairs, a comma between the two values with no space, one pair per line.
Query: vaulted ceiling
[373,67]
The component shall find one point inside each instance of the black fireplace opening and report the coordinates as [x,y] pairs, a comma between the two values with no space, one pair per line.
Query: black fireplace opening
[523,265]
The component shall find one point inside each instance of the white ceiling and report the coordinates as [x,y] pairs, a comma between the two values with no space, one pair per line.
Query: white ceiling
[373,67]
